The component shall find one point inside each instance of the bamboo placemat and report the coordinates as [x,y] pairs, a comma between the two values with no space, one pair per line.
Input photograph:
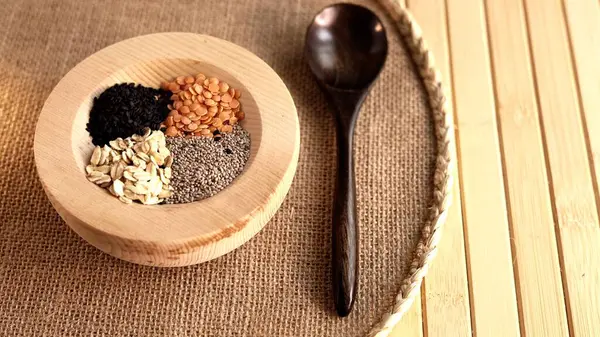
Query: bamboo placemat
[278,284]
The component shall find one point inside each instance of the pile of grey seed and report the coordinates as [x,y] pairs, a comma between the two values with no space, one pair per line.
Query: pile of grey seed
[203,166]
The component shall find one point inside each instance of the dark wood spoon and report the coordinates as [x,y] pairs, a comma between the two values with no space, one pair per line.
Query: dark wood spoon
[346,47]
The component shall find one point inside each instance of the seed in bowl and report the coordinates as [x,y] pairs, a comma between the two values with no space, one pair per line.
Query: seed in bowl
[200,106]
[203,166]
[137,168]
[125,109]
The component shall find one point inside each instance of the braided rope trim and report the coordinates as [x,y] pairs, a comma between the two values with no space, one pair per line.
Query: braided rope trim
[444,132]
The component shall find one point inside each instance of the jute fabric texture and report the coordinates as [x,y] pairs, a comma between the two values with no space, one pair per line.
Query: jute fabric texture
[54,284]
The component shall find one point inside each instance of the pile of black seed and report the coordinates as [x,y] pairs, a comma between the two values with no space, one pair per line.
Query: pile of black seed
[126,109]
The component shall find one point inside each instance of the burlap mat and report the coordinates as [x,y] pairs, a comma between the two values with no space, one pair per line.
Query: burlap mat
[52,283]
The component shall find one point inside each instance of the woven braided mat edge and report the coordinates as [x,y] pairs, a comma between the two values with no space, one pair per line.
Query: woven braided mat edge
[443,177]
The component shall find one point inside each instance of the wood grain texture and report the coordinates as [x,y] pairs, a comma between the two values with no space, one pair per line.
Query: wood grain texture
[534,243]
[445,289]
[583,19]
[543,57]
[168,235]
[574,200]
[584,32]
[489,257]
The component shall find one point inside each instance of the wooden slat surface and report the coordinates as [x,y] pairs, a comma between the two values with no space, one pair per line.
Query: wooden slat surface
[536,257]
[584,27]
[572,188]
[486,225]
[520,254]
[445,290]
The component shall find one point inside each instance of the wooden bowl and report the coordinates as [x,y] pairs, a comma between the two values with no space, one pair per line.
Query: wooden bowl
[168,235]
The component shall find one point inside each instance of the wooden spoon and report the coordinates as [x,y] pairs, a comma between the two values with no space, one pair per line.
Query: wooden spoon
[346,47]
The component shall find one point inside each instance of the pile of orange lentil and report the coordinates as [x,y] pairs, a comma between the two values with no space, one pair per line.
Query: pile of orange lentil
[201,106]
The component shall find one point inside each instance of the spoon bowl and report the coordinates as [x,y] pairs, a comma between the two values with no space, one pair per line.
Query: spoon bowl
[346,47]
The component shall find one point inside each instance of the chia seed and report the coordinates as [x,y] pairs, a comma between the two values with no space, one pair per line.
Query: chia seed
[202,167]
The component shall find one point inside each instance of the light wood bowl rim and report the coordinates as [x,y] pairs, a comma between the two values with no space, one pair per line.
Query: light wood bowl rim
[240,211]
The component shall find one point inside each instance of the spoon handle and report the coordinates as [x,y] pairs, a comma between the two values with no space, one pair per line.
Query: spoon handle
[345,233]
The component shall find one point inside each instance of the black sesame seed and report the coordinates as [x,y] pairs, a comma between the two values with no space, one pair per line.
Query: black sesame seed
[126,109]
